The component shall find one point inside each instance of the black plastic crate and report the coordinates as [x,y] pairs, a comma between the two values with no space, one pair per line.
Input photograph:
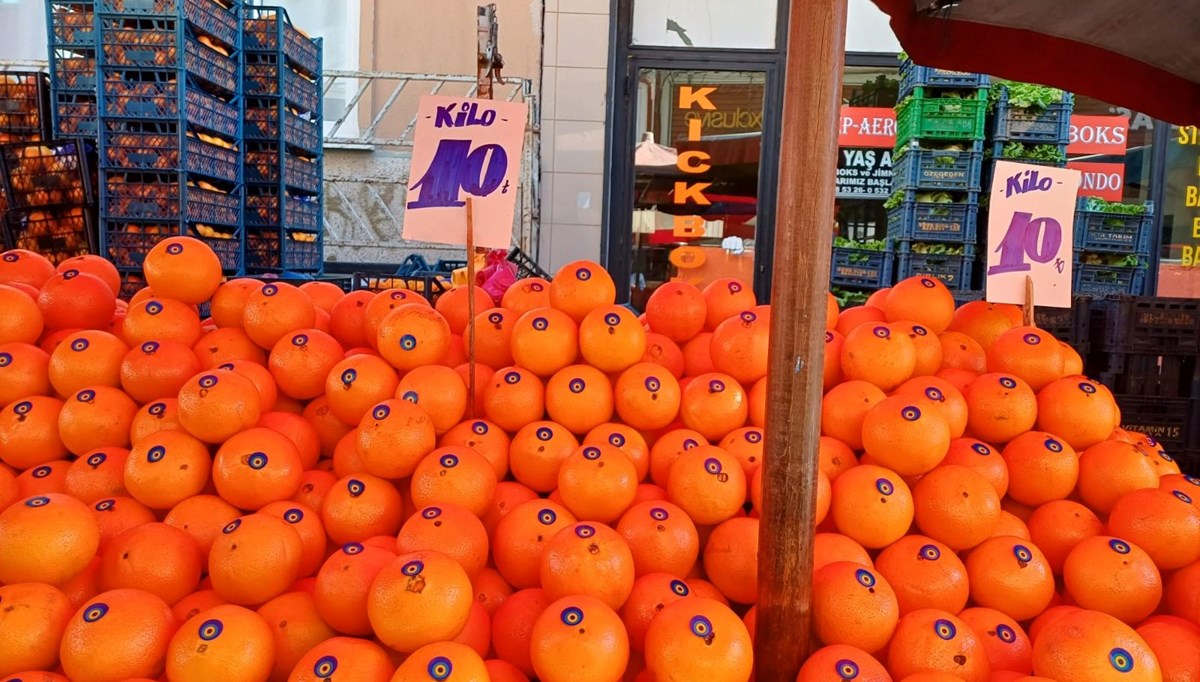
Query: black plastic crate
[942,222]
[276,250]
[263,125]
[71,24]
[1188,461]
[1069,325]
[58,233]
[1051,125]
[1150,374]
[147,43]
[48,173]
[157,95]
[25,103]
[526,266]
[1104,280]
[269,162]
[950,170]
[219,19]
[1104,231]
[913,76]
[164,197]
[268,29]
[156,147]
[862,268]
[1152,325]
[1172,422]
[267,206]
[126,242]
[268,75]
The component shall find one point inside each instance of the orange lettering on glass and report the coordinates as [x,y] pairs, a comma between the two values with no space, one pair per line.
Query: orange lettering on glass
[692,162]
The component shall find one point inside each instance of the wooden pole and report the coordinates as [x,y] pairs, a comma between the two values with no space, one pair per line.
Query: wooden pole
[803,236]
[1027,309]
[470,310]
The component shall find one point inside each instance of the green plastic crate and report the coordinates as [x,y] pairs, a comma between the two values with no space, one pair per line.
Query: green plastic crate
[941,118]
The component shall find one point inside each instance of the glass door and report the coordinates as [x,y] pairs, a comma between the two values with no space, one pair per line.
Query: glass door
[697,155]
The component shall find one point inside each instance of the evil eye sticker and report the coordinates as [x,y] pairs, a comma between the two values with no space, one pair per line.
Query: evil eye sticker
[5,359]
[408,342]
[864,577]
[689,443]
[928,283]
[352,548]
[257,461]
[747,317]
[39,501]
[270,290]
[440,668]
[1022,553]
[157,409]
[96,459]
[701,627]
[592,453]
[11,258]
[412,568]
[512,378]
[547,517]
[95,612]
[544,433]
[919,330]
[1006,634]
[231,526]
[716,386]
[23,408]
[293,515]
[828,337]
[712,465]
[911,413]
[536,286]
[846,669]
[448,460]
[411,397]
[616,440]
[150,347]
[300,340]
[70,274]
[349,376]
[355,487]
[1182,496]
[659,514]
[156,454]
[884,486]
[981,449]
[325,667]
[480,428]
[1053,445]
[495,318]
[431,512]
[577,385]
[735,287]
[80,345]
[208,381]
[1087,387]
[381,412]
[882,332]
[1008,382]
[583,274]
[934,394]
[87,395]
[1121,660]
[653,384]
[1032,339]
[154,308]
[541,324]
[680,588]
[175,249]
[612,319]
[571,616]
[1119,546]
[211,629]
[105,505]
[42,471]
[944,629]
[584,531]
[755,437]
[929,553]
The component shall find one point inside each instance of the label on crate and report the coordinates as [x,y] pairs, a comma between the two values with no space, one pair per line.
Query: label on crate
[1031,233]
[465,147]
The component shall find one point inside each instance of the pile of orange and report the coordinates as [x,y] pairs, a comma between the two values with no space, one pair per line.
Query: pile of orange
[298,486]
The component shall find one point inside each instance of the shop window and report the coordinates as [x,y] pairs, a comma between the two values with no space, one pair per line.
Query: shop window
[739,24]
[865,142]
[1179,270]
[1113,148]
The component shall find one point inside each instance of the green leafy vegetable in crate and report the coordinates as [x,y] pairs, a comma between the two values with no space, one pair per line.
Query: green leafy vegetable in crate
[1024,95]
[938,249]
[1112,260]
[895,200]
[1041,152]
[849,298]
[866,245]
[1102,206]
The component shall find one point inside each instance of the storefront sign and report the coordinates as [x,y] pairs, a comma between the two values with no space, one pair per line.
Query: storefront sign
[1187,221]
[867,127]
[1104,180]
[1102,135]
[1032,232]
[693,162]
[465,148]
[864,173]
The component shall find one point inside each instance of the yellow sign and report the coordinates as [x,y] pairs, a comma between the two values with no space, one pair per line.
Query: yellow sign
[693,162]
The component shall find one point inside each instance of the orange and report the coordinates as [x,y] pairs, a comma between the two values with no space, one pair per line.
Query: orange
[449,529]
[1176,644]
[1072,360]
[597,483]
[731,559]
[713,405]
[646,397]
[166,468]
[343,658]
[925,574]
[379,307]
[493,337]
[393,437]
[156,370]
[844,410]
[676,310]
[739,347]
[226,345]
[113,516]
[86,358]
[154,557]
[698,638]
[853,605]
[872,506]
[881,354]
[579,638]
[580,398]
[840,662]
[521,538]
[275,310]
[1108,574]
[96,417]
[24,372]
[343,583]
[983,321]
[161,319]
[1077,411]
[1029,353]
[906,435]
[459,476]
[956,506]
[202,517]
[512,627]
[588,559]
[626,439]
[477,634]
[708,483]
[300,362]
[1183,593]
[1041,468]
[227,642]
[983,459]
[255,559]
[1087,645]
[927,345]
[98,474]
[651,593]
[361,506]
[1012,576]
[513,399]
[117,635]
[483,374]
[298,430]
[9,490]
[850,318]
[664,352]
[832,374]
[580,287]
[1056,527]
[929,640]
[229,301]
[747,444]
[433,592]
[1000,408]
[924,300]
[33,620]
[959,378]
[48,478]
[486,438]
[724,298]
[296,628]
[545,340]
[945,397]
[962,352]
[324,295]
[443,660]
[455,307]
[307,524]
[1162,522]
[1007,646]
[214,405]
[1111,469]
[491,589]
[667,448]
[413,335]
[25,267]
[183,268]
[439,391]
[611,339]
[537,453]
[36,676]
[526,294]
[697,355]
[46,538]
[257,467]
[329,428]
[69,300]
[347,319]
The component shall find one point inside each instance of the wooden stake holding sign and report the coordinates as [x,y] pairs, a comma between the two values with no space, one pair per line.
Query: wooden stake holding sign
[470,311]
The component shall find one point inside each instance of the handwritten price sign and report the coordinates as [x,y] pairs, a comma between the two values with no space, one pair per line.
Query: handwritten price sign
[1031,233]
[465,148]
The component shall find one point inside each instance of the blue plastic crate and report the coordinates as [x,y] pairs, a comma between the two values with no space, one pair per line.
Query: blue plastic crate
[25,104]
[166,197]
[71,23]
[125,243]
[74,115]
[269,162]
[296,211]
[913,76]
[277,250]
[269,28]
[955,272]
[923,221]
[863,268]
[213,18]
[157,95]
[165,44]
[267,75]
[153,147]
[998,154]
[1103,280]
[74,72]
[1049,126]
[1113,232]
[263,125]
[938,169]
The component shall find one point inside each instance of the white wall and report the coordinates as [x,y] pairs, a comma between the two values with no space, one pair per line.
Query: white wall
[867,29]
[23,29]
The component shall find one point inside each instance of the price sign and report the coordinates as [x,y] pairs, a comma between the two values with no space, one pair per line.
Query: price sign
[465,148]
[1031,233]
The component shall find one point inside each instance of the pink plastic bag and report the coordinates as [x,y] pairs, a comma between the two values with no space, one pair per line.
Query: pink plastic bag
[497,276]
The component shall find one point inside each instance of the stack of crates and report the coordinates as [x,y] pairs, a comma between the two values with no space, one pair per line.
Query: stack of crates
[937,167]
[1112,247]
[284,161]
[170,127]
[71,33]
[1017,133]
